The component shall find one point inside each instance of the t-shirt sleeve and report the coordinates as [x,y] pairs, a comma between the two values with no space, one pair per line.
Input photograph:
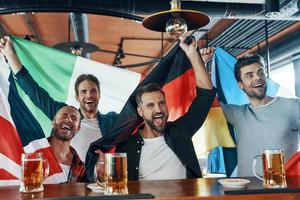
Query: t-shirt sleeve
[229,113]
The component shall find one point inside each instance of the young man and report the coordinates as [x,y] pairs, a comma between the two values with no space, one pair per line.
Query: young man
[94,125]
[161,149]
[267,122]
[65,125]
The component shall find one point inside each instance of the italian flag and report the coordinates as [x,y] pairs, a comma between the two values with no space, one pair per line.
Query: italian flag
[23,127]
[57,71]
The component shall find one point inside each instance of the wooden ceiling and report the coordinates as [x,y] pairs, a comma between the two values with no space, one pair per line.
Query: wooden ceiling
[104,31]
[109,33]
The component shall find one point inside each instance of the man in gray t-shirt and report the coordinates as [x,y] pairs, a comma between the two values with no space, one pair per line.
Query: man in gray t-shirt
[265,123]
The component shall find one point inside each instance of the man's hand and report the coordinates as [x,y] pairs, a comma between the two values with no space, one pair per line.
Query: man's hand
[6,47]
[99,171]
[189,49]
[8,52]
[101,155]
[201,75]
[207,54]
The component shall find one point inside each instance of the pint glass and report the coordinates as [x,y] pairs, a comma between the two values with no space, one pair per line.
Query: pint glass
[34,169]
[273,168]
[115,174]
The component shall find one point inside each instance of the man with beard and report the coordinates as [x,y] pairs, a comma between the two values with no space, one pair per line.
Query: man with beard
[94,125]
[65,125]
[267,122]
[161,150]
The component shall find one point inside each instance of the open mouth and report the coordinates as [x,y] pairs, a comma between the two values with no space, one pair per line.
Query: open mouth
[66,127]
[258,85]
[158,119]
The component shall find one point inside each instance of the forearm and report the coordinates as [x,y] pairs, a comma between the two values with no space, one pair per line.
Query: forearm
[201,75]
[38,95]
[14,62]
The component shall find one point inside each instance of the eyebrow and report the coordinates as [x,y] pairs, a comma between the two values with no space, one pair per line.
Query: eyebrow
[248,73]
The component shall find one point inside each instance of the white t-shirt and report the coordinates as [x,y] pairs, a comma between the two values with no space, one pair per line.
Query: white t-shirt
[88,133]
[159,162]
[66,170]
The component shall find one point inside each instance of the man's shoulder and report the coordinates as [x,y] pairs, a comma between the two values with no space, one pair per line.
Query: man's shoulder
[288,99]
[108,115]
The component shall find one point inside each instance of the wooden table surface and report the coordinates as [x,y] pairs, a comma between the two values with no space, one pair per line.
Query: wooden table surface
[172,189]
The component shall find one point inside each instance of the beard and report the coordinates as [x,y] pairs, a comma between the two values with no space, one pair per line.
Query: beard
[153,126]
[89,108]
[257,94]
[62,136]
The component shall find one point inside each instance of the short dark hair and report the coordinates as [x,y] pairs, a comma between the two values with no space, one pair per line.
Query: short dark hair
[150,87]
[86,77]
[244,61]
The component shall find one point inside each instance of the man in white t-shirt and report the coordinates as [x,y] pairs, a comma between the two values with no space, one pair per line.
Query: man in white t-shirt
[161,150]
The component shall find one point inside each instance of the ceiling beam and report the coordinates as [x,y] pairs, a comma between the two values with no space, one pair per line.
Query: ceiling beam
[32,28]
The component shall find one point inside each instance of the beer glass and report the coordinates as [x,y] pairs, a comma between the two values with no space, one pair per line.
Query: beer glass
[34,169]
[115,174]
[273,168]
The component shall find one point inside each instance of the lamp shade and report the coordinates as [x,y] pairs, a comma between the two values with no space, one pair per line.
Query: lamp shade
[84,46]
[157,21]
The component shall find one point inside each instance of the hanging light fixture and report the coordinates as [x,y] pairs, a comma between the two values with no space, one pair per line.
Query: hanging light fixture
[77,48]
[176,21]
[272,8]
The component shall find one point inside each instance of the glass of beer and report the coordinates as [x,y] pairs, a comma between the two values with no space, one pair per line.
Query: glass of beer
[273,168]
[34,169]
[115,174]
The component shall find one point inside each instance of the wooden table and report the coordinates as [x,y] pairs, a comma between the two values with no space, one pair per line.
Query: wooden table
[208,189]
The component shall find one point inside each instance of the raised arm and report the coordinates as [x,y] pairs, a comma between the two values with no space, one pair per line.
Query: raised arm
[202,77]
[9,54]
[38,95]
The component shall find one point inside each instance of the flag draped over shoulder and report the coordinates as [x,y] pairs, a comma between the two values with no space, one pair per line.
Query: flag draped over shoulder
[23,127]
[228,92]
[176,77]
[20,133]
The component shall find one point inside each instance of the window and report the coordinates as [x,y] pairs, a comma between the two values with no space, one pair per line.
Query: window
[285,77]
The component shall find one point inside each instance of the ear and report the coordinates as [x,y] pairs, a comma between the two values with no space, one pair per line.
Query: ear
[140,112]
[240,84]
[77,97]
[52,123]
[78,129]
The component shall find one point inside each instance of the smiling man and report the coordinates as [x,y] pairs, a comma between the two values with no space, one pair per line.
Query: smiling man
[65,125]
[267,122]
[94,125]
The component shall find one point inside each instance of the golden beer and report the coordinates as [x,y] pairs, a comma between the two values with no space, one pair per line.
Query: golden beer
[116,173]
[273,169]
[32,172]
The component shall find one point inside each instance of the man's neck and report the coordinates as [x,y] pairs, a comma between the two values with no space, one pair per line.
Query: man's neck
[61,150]
[260,102]
[89,115]
[147,132]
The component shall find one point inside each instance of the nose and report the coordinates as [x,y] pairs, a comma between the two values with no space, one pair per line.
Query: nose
[157,108]
[68,119]
[257,76]
[89,94]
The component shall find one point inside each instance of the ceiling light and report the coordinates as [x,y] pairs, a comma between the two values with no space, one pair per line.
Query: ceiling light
[77,48]
[272,8]
[176,21]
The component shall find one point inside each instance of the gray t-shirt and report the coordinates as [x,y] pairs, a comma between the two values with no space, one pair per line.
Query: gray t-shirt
[272,126]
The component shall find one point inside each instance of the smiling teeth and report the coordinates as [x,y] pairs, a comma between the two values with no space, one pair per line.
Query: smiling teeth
[67,127]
